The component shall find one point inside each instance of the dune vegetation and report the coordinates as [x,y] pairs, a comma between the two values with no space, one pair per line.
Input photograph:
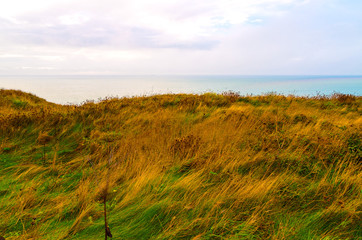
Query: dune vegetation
[210,166]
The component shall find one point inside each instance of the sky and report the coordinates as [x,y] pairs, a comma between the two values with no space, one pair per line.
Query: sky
[188,37]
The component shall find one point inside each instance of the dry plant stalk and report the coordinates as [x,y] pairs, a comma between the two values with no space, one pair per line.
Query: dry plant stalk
[107,230]
[43,139]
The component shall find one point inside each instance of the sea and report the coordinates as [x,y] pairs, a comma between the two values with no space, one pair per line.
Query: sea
[76,89]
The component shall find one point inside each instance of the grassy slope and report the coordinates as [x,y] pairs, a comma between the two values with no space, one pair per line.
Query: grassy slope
[181,167]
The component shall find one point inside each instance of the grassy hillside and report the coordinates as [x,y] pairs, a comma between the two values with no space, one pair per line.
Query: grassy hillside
[181,167]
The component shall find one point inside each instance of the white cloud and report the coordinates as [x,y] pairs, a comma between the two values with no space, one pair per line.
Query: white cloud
[177,20]
[15,8]
[179,36]
[73,19]
[9,55]
[101,55]
[49,58]
[37,68]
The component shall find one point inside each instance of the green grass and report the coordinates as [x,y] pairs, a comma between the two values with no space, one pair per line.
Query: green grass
[211,166]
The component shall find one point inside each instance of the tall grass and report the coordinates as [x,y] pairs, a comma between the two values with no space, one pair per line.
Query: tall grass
[181,167]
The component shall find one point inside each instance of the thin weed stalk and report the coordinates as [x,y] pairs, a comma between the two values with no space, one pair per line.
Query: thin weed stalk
[107,231]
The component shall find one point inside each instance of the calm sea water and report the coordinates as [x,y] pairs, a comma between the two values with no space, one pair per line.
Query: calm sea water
[76,89]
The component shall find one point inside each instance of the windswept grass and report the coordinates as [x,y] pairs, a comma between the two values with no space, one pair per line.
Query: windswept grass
[181,167]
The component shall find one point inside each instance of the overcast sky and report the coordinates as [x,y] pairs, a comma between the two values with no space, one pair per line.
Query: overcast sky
[181,37]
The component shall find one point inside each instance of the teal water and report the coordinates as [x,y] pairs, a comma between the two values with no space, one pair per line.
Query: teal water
[76,89]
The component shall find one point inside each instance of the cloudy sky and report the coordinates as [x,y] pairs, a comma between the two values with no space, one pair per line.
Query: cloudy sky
[181,37]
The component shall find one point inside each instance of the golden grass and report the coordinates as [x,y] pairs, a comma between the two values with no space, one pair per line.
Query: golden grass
[182,167]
